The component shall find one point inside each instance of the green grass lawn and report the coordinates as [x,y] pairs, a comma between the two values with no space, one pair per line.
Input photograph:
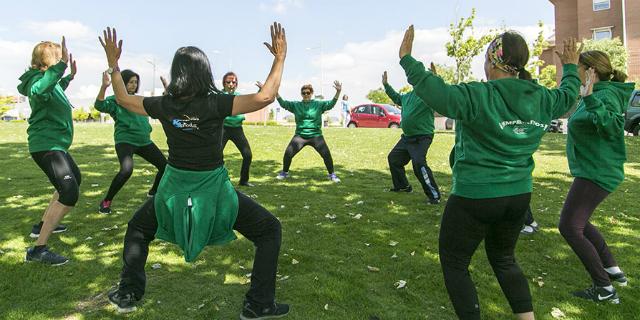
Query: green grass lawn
[331,279]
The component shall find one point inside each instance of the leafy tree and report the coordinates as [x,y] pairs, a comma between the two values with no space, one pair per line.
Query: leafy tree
[464,46]
[79,114]
[447,73]
[94,114]
[613,47]
[379,96]
[539,45]
[547,76]
[6,103]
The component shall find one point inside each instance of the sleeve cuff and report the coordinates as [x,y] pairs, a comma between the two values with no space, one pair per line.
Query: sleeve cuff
[569,67]
[407,61]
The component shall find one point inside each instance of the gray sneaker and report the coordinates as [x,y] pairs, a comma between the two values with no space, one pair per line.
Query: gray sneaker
[45,256]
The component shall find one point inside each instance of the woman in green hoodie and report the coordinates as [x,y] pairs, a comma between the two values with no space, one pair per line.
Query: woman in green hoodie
[50,134]
[132,135]
[596,155]
[196,205]
[499,125]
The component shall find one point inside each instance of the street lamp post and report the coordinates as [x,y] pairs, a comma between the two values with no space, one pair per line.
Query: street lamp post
[321,67]
[153,63]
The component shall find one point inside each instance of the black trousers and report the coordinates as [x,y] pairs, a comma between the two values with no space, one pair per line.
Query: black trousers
[125,153]
[528,217]
[413,149]
[63,173]
[236,135]
[583,237]
[497,221]
[297,143]
[254,222]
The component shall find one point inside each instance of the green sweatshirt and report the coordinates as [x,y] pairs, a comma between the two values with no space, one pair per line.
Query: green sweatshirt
[50,123]
[233,121]
[308,115]
[130,127]
[595,142]
[417,117]
[499,126]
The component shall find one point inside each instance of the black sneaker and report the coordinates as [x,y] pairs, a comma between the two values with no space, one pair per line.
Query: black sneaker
[619,278]
[105,207]
[433,201]
[45,256]
[35,230]
[598,294]
[124,303]
[406,189]
[277,310]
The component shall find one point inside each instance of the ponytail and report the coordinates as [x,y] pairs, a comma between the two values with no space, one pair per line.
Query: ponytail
[618,76]
[524,74]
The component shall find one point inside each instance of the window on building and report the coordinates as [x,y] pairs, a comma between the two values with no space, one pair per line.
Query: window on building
[602,33]
[601,5]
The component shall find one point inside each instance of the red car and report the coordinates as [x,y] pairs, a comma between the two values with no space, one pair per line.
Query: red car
[375,116]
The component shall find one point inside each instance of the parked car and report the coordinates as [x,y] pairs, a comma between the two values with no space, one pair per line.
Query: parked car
[375,116]
[555,126]
[632,117]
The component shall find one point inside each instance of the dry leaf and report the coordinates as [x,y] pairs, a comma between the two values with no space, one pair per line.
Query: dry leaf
[394,256]
[360,202]
[330,216]
[557,313]
[413,253]
[400,284]
[100,244]
[326,306]
[294,261]
[156,266]
[393,243]
[357,216]
[373,269]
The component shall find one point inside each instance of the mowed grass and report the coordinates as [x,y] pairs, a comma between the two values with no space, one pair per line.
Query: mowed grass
[396,233]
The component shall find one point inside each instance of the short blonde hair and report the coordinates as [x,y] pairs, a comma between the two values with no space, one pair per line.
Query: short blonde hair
[45,54]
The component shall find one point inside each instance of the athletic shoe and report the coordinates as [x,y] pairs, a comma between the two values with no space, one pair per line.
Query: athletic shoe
[105,207]
[35,230]
[45,256]
[246,184]
[598,294]
[124,303]
[406,189]
[433,201]
[277,310]
[282,175]
[619,278]
[333,177]
[529,229]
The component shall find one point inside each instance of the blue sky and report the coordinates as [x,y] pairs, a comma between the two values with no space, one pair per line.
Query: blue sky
[358,39]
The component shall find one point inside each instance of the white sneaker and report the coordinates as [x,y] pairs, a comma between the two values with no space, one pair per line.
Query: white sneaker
[333,177]
[282,175]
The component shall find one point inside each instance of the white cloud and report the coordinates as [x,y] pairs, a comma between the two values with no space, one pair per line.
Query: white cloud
[56,29]
[280,6]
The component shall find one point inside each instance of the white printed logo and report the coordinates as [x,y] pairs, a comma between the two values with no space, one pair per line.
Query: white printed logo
[67,177]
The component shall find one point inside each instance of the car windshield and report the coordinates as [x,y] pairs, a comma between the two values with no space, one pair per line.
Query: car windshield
[636,101]
[392,109]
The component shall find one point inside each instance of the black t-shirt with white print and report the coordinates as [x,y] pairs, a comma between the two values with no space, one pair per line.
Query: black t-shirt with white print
[193,128]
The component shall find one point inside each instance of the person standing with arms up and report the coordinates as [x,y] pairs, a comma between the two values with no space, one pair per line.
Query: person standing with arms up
[417,136]
[196,205]
[233,130]
[132,135]
[499,125]
[50,134]
[596,155]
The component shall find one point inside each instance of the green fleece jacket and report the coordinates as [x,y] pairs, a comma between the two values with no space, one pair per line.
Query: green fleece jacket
[595,142]
[233,121]
[417,117]
[130,127]
[499,126]
[50,123]
[308,115]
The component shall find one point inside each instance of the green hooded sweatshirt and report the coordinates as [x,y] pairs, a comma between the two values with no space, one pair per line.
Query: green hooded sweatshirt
[233,121]
[595,142]
[308,115]
[499,126]
[130,127]
[417,117]
[50,123]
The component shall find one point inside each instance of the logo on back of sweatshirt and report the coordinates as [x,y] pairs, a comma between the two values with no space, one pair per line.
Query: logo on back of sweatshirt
[520,127]
[186,124]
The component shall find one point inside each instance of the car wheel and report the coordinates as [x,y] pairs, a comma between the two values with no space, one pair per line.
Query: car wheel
[635,130]
[352,125]
[394,126]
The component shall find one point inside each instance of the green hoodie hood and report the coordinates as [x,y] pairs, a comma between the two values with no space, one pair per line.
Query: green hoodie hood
[27,79]
[621,91]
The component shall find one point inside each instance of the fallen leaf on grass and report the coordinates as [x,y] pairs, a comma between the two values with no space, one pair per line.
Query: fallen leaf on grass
[393,243]
[95,185]
[115,226]
[306,207]
[360,202]
[413,253]
[156,266]
[394,256]
[100,244]
[400,284]
[283,278]
[294,261]
[557,313]
[330,216]
[326,306]
[357,216]
[87,238]
[373,269]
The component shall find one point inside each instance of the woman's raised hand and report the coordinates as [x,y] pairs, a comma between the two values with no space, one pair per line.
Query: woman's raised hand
[278,46]
[112,47]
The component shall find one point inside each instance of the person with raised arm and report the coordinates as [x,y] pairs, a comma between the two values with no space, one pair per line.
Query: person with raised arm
[499,125]
[195,204]
[50,134]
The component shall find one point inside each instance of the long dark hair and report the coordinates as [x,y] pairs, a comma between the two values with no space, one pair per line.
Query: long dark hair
[191,74]
[516,53]
[127,74]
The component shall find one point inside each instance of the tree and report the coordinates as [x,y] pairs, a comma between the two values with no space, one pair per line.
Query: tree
[79,114]
[379,96]
[547,77]
[447,73]
[462,49]
[94,114]
[6,104]
[539,45]
[613,47]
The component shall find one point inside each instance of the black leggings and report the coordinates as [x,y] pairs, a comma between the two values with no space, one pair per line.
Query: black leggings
[583,237]
[236,135]
[63,173]
[413,149]
[125,153]
[497,221]
[298,142]
[254,222]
